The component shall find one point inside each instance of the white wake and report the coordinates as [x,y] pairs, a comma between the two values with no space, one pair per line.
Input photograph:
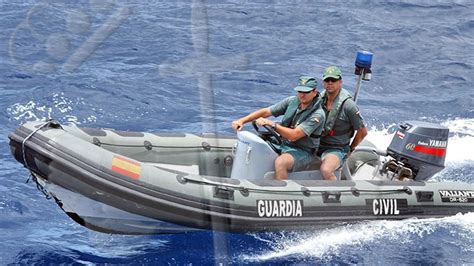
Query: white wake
[330,242]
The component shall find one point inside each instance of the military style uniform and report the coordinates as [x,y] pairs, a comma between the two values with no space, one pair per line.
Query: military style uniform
[341,122]
[310,120]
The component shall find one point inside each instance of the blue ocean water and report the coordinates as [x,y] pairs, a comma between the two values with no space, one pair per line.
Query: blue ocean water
[194,66]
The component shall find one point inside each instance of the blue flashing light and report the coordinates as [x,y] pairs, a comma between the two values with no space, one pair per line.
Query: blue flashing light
[364,59]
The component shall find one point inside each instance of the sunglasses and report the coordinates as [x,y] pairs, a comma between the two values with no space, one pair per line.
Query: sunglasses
[331,80]
[306,92]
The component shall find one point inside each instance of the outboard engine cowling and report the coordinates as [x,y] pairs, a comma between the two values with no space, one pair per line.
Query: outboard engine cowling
[253,157]
[419,150]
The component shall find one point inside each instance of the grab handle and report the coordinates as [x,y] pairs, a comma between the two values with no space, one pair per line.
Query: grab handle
[247,157]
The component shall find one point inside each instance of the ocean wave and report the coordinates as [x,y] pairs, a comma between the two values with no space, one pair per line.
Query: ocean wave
[57,106]
[329,243]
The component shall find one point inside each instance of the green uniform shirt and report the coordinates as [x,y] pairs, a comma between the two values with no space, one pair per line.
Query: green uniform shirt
[313,124]
[349,116]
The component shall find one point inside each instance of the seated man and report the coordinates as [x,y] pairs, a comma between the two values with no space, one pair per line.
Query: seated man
[302,125]
[343,118]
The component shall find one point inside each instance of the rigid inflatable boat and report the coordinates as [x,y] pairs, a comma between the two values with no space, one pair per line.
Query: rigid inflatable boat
[149,183]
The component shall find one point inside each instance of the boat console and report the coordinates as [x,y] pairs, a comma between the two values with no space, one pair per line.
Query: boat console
[253,157]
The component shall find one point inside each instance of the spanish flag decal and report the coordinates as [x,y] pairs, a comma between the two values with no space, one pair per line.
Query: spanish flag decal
[126,167]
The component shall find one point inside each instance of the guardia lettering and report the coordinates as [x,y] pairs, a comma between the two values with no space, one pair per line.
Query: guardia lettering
[279,208]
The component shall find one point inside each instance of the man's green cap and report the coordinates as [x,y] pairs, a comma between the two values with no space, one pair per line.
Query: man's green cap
[306,83]
[332,72]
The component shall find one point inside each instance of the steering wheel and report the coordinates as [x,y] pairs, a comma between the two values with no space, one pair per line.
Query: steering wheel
[269,135]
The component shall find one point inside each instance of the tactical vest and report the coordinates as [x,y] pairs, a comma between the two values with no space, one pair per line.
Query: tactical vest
[335,126]
[291,112]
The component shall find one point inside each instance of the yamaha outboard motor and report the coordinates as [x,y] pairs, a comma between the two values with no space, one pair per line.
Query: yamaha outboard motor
[418,149]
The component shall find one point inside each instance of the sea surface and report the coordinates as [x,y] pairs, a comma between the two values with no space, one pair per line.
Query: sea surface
[194,66]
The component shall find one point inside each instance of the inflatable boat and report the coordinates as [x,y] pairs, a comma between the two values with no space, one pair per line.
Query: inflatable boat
[149,183]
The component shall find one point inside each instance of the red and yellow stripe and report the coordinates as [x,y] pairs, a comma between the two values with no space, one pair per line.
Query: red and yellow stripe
[126,167]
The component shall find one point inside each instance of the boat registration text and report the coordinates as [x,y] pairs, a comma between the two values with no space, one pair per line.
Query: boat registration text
[461,196]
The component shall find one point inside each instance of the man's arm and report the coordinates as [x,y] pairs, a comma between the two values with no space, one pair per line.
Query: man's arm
[291,134]
[239,123]
[360,135]
[357,123]
[315,121]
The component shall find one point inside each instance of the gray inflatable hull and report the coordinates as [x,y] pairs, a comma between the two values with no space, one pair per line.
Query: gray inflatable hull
[147,183]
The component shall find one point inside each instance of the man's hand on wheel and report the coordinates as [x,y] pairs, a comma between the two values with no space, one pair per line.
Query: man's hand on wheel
[264,122]
[237,125]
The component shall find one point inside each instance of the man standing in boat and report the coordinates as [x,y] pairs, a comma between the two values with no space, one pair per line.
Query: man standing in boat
[301,127]
[343,118]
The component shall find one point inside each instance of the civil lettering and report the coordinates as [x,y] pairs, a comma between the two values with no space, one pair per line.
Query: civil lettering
[385,207]
[375,207]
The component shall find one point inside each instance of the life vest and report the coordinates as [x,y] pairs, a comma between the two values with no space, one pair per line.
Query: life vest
[333,125]
[292,109]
